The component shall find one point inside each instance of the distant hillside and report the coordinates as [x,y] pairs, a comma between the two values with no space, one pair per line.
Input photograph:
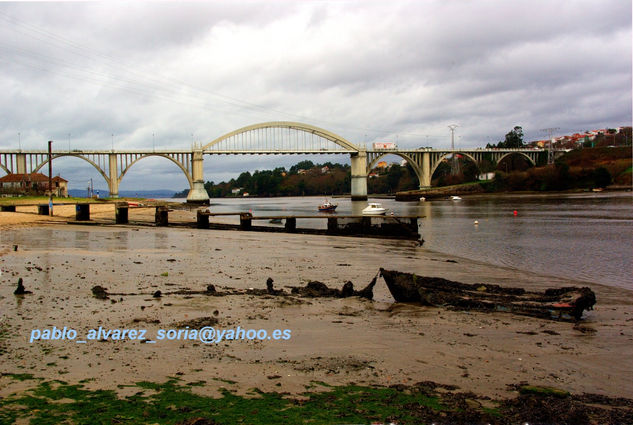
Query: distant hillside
[159,193]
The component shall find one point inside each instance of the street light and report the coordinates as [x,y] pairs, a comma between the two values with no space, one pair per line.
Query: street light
[454,166]
[50,178]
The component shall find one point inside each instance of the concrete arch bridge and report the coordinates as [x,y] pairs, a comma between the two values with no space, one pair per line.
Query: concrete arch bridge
[269,138]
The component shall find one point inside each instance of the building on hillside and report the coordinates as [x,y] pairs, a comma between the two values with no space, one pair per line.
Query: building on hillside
[32,184]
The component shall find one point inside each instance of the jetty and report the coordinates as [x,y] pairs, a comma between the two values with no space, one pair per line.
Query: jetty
[386,226]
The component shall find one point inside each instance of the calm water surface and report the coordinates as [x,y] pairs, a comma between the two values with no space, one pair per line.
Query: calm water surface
[587,236]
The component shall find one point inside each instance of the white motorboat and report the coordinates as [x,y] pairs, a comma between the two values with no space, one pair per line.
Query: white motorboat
[456,198]
[374,208]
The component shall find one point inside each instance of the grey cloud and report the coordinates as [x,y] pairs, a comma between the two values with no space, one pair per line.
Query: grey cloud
[371,70]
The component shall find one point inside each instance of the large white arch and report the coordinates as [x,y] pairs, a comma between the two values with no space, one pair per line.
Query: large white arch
[184,170]
[290,125]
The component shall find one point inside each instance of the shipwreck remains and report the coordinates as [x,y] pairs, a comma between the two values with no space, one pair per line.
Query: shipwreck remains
[565,304]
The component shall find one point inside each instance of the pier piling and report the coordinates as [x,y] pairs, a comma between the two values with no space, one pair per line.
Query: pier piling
[202,219]
[162,216]
[121,212]
[82,212]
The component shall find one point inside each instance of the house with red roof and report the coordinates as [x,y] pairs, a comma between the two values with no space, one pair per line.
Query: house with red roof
[32,184]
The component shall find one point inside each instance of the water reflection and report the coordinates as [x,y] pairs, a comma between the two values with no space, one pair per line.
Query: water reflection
[121,241]
[161,239]
[82,239]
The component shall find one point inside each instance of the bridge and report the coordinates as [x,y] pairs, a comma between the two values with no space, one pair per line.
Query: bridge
[270,138]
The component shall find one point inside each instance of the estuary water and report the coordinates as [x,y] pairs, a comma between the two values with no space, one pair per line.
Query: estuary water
[585,236]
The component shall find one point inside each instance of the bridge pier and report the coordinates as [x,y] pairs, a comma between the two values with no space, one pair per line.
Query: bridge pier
[359,176]
[197,194]
[425,178]
[113,182]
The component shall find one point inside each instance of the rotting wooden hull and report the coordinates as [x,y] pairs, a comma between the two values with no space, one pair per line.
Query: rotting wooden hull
[566,303]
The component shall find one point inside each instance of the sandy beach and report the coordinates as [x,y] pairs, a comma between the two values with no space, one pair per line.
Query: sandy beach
[335,341]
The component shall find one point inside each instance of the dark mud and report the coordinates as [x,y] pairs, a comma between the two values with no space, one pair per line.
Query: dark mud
[313,289]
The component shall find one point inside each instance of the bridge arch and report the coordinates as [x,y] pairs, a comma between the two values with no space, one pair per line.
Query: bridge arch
[446,155]
[94,164]
[307,128]
[410,160]
[181,166]
[507,154]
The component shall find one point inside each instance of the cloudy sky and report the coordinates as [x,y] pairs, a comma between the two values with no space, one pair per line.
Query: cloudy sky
[166,74]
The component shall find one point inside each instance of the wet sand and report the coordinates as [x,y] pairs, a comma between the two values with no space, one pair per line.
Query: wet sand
[336,341]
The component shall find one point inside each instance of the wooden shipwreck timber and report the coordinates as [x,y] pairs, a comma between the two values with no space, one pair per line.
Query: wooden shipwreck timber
[567,303]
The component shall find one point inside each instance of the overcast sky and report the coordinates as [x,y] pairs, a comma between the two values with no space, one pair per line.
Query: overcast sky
[97,75]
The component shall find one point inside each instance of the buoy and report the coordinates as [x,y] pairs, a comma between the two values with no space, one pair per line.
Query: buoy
[515,212]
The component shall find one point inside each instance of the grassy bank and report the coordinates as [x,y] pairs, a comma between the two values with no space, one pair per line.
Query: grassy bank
[175,402]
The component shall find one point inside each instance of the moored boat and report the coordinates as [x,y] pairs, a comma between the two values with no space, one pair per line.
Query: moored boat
[374,208]
[567,303]
[327,206]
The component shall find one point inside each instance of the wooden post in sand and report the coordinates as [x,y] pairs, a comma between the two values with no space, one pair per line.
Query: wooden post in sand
[162,216]
[82,212]
[332,225]
[291,224]
[246,221]
[202,219]
[121,213]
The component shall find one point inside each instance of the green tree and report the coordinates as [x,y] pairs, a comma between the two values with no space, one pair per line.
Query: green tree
[514,139]
[393,177]
[243,179]
[602,177]
[303,165]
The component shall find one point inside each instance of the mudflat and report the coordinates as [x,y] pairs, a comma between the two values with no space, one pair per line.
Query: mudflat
[334,340]
[337,341]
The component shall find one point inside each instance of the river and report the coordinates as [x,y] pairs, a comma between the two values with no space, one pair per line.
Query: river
[584,236]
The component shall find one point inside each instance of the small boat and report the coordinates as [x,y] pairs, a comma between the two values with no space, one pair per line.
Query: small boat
[456,198]
[565,304]
[422,199]
[275,221]
[327,206]
[374,208]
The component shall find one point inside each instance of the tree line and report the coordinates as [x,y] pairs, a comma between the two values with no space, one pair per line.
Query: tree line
[307,178]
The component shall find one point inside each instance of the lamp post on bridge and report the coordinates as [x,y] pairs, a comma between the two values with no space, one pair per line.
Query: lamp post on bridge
[454,165]
[50,178]
[550,152]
